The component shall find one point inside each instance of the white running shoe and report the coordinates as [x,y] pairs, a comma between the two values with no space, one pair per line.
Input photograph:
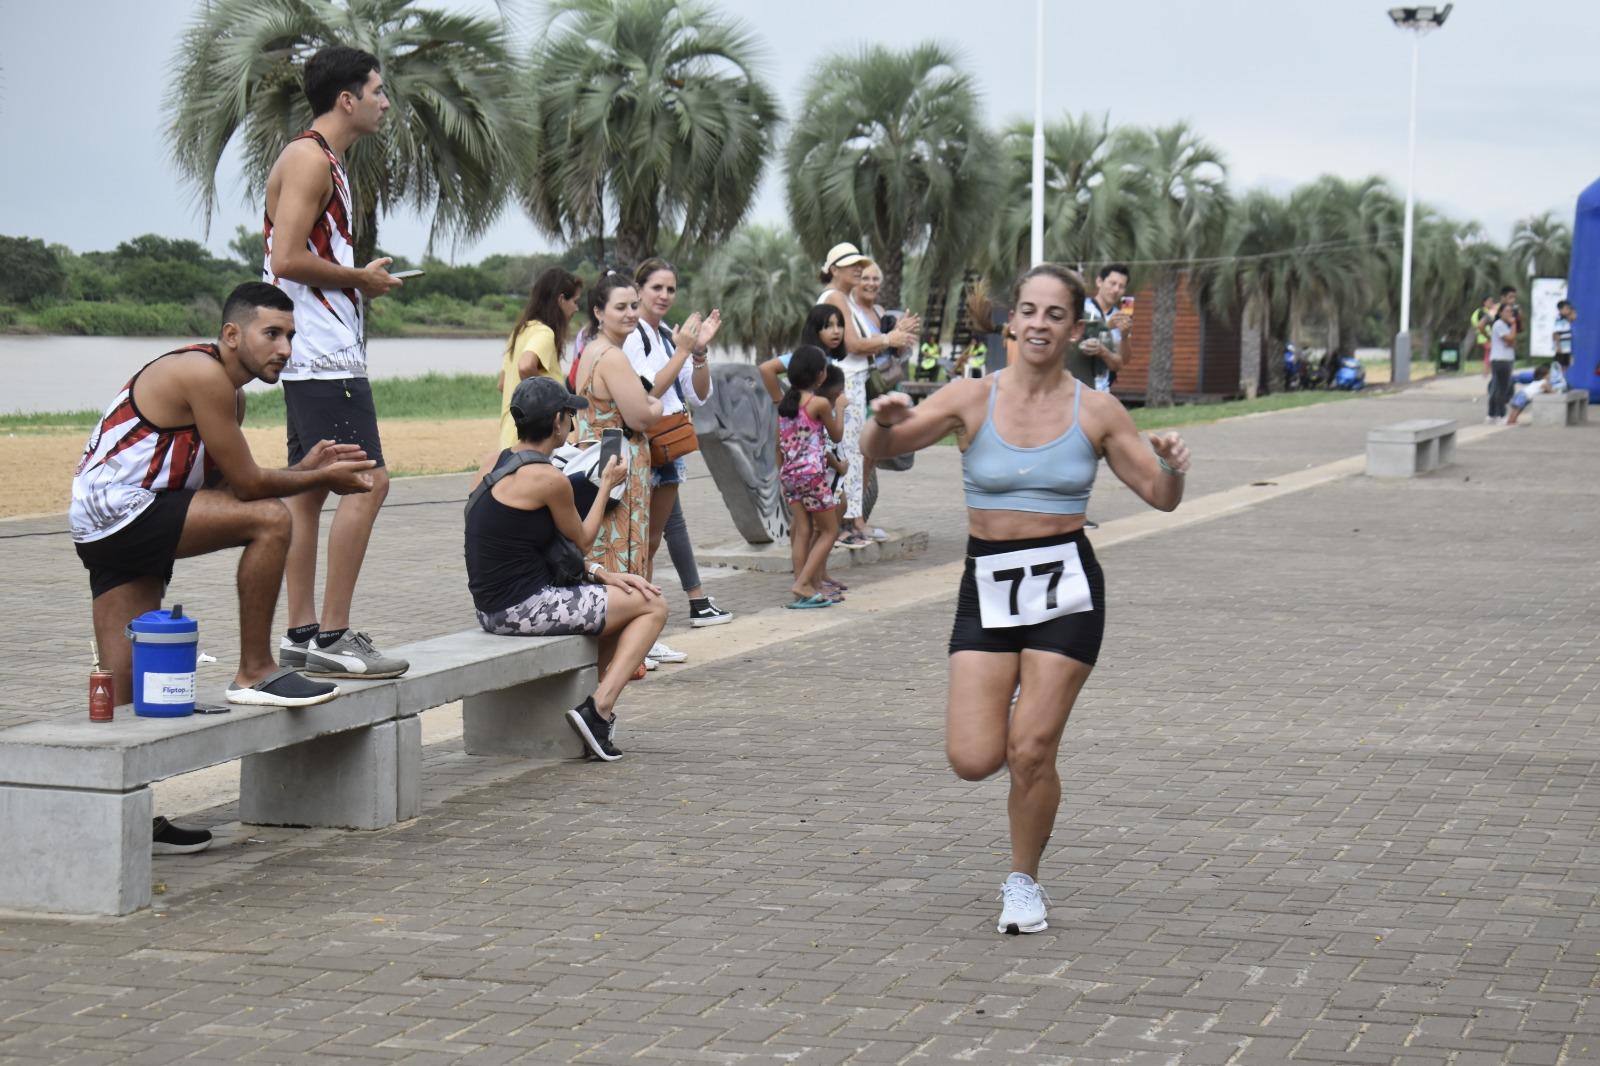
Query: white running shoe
[1023,910]
[663,654]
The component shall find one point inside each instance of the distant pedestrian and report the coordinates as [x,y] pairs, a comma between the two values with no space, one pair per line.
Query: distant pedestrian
[537,340]
[1566,315]
[1526,393]
[1502,357]
[1482,322]
[1104,350]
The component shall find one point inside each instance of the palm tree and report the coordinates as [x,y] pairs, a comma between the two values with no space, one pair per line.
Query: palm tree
[446,146]
[1090,213]
[1185,216]
[650,110]
[890,147]
[1540,246]
[1256,274]
[764,283]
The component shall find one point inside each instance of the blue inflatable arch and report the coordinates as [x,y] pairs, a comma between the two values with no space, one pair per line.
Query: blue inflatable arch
[1583,289]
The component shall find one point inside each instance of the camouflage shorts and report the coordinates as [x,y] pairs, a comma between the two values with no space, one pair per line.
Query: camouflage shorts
[553,611]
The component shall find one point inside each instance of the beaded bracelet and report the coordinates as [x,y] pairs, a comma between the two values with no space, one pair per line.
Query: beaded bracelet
[1169,468]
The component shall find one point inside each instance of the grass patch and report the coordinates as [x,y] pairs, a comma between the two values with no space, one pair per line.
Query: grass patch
[1150,418]
[435,397]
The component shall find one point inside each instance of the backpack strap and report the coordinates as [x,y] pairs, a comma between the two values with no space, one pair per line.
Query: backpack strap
[517,461]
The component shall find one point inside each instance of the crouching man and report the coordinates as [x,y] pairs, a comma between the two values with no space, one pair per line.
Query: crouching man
[167,474]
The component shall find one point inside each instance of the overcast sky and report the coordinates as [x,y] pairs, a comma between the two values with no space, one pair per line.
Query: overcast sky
[1508,117]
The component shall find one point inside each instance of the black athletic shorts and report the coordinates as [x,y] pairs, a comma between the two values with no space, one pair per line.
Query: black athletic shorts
[145,547]
[339,410]
[1077,636]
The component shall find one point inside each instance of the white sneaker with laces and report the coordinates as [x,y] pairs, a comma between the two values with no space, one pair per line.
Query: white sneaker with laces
[663,654]
[1023,907]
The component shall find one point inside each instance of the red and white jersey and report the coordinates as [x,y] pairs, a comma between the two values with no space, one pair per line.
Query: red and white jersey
[128,460]
[329,339]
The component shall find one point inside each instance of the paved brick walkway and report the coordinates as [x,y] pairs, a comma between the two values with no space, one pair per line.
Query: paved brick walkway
[1330,797]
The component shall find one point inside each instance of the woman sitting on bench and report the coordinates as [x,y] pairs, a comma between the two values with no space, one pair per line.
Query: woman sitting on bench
[525,544]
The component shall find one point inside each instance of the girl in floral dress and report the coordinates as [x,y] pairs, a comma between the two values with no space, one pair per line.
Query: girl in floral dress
[803,418]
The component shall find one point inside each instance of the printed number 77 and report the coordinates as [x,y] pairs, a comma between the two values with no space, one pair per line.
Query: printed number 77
[1018,575]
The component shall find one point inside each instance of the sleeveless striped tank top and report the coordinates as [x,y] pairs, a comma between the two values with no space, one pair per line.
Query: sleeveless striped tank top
[330,339]
[128,460]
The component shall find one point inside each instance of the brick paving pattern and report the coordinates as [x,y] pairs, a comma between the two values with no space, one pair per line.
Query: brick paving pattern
[1330,797]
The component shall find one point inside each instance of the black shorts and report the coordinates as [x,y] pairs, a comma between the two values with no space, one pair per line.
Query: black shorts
[339,410]
[145,547]
[1077,636]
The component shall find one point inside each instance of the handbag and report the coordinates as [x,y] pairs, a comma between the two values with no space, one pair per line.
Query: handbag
[673,436]
[561,557]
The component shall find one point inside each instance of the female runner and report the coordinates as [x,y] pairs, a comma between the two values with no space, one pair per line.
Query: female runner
[1032,601]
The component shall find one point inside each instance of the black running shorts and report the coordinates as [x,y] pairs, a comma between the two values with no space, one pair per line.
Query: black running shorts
[339,410]
[1077,636]
[145,547]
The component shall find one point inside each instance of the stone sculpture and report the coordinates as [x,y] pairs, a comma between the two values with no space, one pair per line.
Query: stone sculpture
[738,431]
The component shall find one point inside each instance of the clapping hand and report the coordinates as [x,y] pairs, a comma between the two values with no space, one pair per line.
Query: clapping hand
[708,330]
[686,335]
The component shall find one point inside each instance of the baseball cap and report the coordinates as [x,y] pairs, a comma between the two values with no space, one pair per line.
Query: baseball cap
[541,397]
[843,255]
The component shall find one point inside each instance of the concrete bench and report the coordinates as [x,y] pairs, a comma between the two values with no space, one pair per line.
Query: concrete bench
[1570,408]
[75,800]
[1406,449]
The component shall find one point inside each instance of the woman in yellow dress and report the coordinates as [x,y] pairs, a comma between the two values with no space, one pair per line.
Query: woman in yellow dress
[536,343]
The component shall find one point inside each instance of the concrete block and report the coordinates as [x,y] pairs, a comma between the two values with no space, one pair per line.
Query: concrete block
[774,558]
[453,667]
[74,852]
[353,780]
[408,766]
[131,752]
[1409,448]
[1558,408]
[529,719]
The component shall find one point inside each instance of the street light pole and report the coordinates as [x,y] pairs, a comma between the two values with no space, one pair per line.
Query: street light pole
[1418,20]
[1036,246]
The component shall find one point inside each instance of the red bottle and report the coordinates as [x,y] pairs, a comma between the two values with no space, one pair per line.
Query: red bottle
[102,692]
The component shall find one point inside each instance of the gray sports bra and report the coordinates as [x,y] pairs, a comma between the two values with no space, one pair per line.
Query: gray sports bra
[1054,478]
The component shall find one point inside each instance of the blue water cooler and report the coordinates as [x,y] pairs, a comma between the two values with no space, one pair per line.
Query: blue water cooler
[166,648]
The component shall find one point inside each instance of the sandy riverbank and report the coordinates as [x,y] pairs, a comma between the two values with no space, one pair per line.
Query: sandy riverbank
[39,465]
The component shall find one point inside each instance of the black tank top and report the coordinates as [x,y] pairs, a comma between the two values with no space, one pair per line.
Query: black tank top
[505,551]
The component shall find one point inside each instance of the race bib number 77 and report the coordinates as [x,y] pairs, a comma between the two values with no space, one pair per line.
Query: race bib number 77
[1024,588]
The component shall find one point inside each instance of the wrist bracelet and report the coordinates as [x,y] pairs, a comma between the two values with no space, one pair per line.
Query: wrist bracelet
[594,570]
[881,424]
[1169,468]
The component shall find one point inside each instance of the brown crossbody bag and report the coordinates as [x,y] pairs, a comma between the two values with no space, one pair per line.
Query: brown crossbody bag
[673,436]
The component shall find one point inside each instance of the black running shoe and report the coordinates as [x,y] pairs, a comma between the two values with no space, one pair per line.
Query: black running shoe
[168,839]
[594,731]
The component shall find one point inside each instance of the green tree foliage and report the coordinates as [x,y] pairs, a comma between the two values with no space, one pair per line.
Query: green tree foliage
[651,113]
[890,150]
[448,146]
[1540,246]
[764,283]
[29,271]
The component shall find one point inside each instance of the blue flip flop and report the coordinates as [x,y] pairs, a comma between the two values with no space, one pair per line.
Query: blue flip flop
[809,602]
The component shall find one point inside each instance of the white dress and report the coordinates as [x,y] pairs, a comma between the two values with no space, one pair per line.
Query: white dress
[856,368]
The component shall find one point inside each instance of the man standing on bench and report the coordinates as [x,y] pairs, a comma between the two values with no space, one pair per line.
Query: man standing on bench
[310,255]
[138,501]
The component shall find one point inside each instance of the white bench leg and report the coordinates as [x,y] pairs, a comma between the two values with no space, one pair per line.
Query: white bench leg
[363,779]
[528,719]
[72,852]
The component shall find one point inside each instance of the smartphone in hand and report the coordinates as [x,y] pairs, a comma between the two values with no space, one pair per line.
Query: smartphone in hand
[610,448]
[405,274]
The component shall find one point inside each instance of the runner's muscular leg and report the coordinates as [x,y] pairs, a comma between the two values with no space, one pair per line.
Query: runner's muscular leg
[219,520]
[113,610]
[347,548]
[981,683]
[1050,687]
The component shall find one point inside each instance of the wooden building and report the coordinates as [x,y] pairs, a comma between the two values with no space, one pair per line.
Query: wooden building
[1205,351]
